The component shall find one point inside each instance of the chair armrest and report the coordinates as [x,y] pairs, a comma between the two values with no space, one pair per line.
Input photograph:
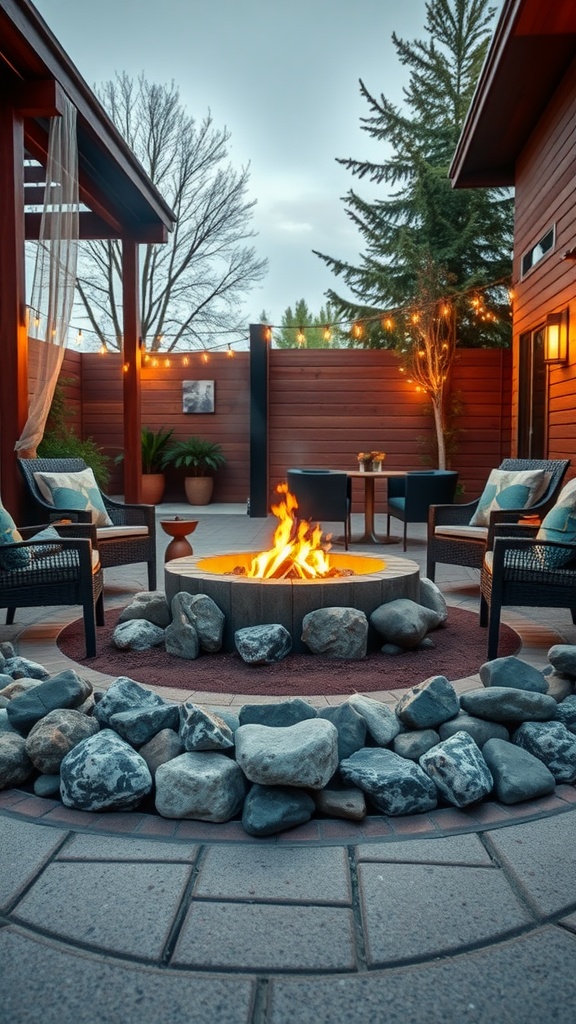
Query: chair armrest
[130,515]
[503,546]
[59,558]
[451,515]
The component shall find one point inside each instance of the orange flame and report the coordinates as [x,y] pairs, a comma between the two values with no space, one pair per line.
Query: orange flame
[296,551]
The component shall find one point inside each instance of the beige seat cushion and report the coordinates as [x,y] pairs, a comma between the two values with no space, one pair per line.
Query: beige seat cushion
[120,532]
[463,532]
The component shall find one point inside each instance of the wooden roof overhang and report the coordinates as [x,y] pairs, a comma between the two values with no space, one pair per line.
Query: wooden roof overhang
[118,201]
[533,45]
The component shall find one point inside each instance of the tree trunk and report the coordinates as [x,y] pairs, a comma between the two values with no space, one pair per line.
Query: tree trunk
[439,425]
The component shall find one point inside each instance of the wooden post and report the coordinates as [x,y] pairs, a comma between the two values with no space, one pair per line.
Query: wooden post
[259,348]
[13,329]
[131,374]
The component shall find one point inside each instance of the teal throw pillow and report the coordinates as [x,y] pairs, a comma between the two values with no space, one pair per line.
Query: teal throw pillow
[74,491]
[509,489]
[17,558]
[559,526]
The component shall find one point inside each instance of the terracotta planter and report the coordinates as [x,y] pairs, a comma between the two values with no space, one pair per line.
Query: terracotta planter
[198,489]
[153,488]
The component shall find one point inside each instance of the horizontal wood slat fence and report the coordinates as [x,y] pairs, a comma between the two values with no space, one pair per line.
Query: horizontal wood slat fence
[324,406]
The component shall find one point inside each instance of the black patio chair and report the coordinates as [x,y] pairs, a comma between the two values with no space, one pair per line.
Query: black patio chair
[66,572]
[451,538]
[323,495]
[132,535]
[515,573]
[410,496]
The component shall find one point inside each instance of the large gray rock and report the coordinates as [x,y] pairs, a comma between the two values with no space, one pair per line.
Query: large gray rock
[432,597]
[203,730]
[5,725]
[124,694]
[271,809]
[55,735]
[263,645]
[404,622]
[181,638]
[480,729]
[513,673]
[302,755]
[137,635]
[103,773]
[164,746]
[14,687]
[202,786]
[458,770]
[414,743]
[338,801]
[204,615]
[336,633]
[551,743]
[563,658]
[65,690]
[15,765]
[150,605]
[286,712]
[18,668]
[351,728]
[395,785]
[428,704]
[138,725]
[517,774]
[382,723]
[506,704]
[566,712]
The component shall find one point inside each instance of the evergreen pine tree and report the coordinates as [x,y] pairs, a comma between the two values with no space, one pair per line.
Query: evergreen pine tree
[466,234]
[301,328]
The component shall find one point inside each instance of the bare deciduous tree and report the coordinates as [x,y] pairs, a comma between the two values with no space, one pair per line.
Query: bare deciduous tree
[192,286]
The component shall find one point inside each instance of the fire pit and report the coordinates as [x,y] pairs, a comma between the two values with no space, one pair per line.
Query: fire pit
[299,574]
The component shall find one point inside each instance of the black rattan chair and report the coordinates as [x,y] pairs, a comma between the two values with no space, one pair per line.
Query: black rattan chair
[453,541]
[513,573]
[131,538]
[323,495]
[410,496]
[63,573]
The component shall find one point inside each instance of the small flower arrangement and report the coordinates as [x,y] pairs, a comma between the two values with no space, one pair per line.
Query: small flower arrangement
[371,460]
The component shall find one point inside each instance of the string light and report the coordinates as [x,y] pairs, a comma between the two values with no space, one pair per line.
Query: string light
[103,349]
[230,352]
[79,336]
[125,367]
[300,338]
[204,357]
[327,334]
[267,333]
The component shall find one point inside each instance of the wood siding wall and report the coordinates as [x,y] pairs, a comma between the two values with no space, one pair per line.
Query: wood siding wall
[545,196]
[324,407]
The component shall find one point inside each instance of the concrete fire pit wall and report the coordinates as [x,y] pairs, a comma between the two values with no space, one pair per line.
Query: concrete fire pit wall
[252,602]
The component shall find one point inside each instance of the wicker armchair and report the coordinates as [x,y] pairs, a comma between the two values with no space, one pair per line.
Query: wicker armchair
[66,573]
[513,573]
[131,538]
[453,541]
[410,496]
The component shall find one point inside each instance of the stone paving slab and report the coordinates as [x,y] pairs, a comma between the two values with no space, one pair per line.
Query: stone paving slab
[43,983]
[292,875]
[91,847]
[465,849]
[266,937]
[24,851]
[127,909]
[415,910]
[521,982]
[542,857]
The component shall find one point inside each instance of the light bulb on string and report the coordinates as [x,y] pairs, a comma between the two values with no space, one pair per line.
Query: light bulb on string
[300,338]
[327,333]
[204,357]
[103,349]
[125,367]
[230,351]
[387,323]
[357,330]
[185,361]
[79,337]
[267,333]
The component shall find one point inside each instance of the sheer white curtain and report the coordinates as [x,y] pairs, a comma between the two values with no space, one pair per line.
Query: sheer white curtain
[54,273]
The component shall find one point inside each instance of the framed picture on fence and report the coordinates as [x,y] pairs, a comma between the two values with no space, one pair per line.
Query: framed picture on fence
[197,396]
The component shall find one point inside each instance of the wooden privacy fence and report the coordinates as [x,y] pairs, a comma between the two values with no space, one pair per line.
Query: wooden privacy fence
[324,406]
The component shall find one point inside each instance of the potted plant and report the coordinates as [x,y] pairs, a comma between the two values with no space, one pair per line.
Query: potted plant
[200,458]
[154,448]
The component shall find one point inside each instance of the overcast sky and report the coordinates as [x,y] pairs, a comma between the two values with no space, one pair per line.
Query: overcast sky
[283,77]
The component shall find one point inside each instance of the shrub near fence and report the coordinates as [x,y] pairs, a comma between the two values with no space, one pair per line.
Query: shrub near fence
[324,406]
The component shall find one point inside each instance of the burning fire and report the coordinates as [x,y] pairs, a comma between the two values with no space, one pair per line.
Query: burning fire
[297,552]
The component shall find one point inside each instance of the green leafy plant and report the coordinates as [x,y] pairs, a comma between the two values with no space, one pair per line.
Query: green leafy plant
[154,448]
[196,455]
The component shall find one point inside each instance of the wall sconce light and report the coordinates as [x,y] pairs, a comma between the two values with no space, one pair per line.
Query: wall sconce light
[556,337]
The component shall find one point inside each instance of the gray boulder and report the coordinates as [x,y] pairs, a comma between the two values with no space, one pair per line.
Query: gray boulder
[103,773]
[24,668]
[404,622]
[429,704]
[551,743]
[204,615]
[506,704]
[263,645]
[338,801]
[55,735]
[164,746]
[517,774]
[47,786]
[563,658]
[566,712]
[14,687]
[181,638]
[150,605]
[203,730]
[415,743]
[480,729]
[512,672]
[394,785]
[382,723]
[15,765]
[138,725]
[5,725]
[351,728]
[336,633]
[65,690]
[271,809]
[458,769]
[137,635]
[431,596]
[302,755]
[124,694]
[202,786]
[287,712]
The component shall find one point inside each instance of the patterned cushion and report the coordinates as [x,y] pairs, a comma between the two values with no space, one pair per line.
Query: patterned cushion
[559,526]
[509,489]
[74,491]
[17,558]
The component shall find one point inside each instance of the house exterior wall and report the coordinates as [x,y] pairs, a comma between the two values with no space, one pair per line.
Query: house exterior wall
[545,195]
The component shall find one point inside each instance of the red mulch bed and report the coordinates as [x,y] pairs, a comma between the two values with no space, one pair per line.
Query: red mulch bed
[460,650]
